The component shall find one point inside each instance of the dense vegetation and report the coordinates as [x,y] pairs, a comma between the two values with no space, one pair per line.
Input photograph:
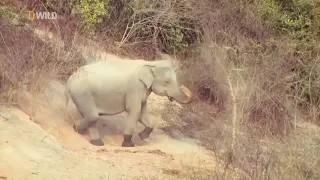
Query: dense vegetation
[173,26]
[256,60]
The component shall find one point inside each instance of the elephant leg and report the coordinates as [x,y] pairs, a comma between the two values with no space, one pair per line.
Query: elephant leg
[81,126]
[95,138]
[130,125]
[87,108]
[90,123]
[144,119]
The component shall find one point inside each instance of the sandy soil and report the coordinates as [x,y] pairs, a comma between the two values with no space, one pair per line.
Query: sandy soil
[38,142]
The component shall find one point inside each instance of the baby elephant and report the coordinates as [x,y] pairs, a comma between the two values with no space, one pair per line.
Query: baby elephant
[109,87]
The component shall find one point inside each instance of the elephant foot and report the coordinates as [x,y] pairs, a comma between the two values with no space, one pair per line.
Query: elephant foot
[145,133]
[127,142]
[96,142]
[80,131]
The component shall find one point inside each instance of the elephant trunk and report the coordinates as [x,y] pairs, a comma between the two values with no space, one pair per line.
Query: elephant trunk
[184,96]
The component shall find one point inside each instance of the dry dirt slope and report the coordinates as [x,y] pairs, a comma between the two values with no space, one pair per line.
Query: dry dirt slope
[39,143]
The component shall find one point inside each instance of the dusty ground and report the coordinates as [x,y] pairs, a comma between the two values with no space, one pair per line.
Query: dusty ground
[39,143]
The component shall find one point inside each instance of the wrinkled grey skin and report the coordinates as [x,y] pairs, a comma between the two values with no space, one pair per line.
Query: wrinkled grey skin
[114,86]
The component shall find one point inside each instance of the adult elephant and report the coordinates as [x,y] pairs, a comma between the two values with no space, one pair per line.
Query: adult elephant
[109,87]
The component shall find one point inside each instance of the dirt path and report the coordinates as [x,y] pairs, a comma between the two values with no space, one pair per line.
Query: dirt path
[46,147]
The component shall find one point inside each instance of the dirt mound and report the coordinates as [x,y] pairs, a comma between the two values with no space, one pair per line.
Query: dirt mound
[40,143]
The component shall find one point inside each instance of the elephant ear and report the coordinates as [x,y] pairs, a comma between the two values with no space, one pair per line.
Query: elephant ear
[146,75]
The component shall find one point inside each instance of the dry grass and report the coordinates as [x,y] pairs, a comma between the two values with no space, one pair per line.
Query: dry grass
[26,60]
[254,128]
[246,108]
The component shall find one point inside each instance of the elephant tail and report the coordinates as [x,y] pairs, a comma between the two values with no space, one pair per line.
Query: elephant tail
[66,94]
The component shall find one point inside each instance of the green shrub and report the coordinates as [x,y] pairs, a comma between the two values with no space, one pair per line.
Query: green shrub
[176,40]
[292,17]
[11,15]
[6,14]
[91,12]
[269,11]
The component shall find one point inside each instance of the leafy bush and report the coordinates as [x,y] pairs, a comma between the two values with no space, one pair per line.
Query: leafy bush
[6,14]
[293,17]
[10,14]
[176,39]
[91,12]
